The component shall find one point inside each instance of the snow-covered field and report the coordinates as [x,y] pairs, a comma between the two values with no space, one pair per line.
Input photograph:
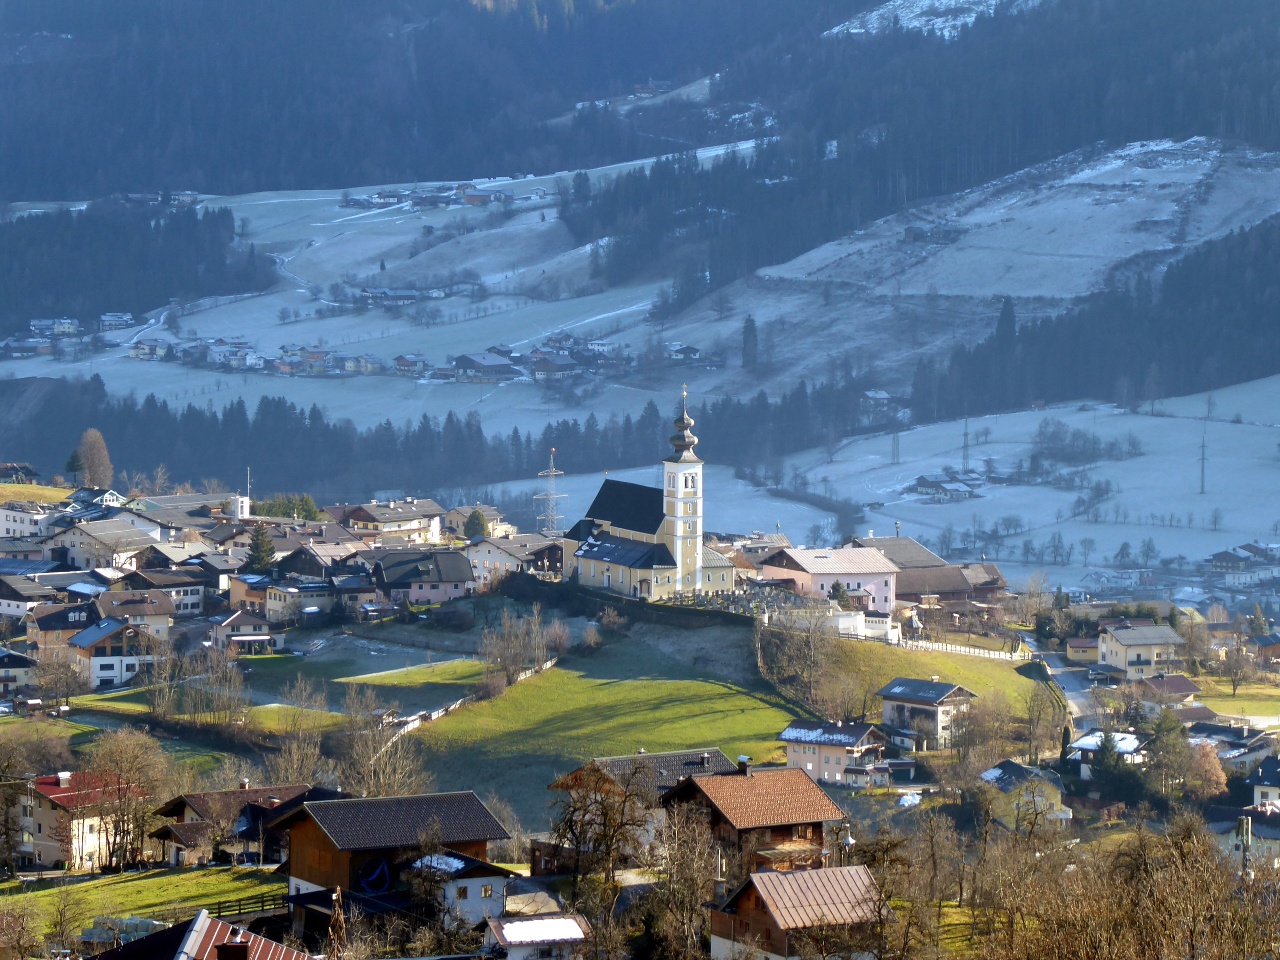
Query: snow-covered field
[1058,230]
[1158,493]
[945,17]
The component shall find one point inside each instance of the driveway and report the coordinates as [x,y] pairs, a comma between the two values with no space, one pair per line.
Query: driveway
[1073,680]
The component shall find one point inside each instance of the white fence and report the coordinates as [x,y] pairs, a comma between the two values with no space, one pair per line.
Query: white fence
[964,649]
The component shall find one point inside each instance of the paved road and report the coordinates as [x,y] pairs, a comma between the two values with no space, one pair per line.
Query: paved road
[1073,680]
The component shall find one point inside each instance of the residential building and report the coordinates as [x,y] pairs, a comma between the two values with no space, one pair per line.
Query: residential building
[1026,799]
[20,595]
[1135,652]
[1172,690]
[17,670]
[98,543]
[641,541]
[778,816]
[1129,748]
[483,368]
[204,937]
[1082,649]
[1265,781]
[243,631]
[771,914]
[1247,837]
[110,652]
[410,520]
[152,610]
[925,709]
[496,527]
[467,889]
[422,576]
[1240,748]
[27,519]
[550,936]
[185,588]
[825,751]
[49,625]
[61,817]
[814,573]
[362,845]
[290,598]
[239,818]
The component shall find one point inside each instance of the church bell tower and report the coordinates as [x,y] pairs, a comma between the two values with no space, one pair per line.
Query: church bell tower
[682,502]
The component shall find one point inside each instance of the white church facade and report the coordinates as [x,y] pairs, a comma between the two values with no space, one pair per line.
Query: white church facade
[646,542]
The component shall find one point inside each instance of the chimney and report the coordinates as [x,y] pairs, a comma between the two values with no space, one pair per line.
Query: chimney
[934,679]
[64,778]
[244,783]
[640,751]
[706,759]
[273,801]
[744,766]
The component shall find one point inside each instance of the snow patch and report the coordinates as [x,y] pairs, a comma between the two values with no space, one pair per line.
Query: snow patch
[545,930]
[943,17]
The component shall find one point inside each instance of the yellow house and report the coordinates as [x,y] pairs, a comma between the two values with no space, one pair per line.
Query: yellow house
[1082,649]
[646,542]
[1138,652]
[1026,799]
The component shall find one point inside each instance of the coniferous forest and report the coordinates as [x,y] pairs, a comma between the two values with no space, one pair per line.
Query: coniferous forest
[111,257]
[292,448]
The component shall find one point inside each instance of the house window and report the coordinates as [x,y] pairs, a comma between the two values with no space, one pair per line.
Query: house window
[462,893]
[1266,794]
[39,828]
[486,891]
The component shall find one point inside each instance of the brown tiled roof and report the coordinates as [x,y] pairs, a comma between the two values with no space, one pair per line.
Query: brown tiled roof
[1173,685]
[768,798]
[809,898]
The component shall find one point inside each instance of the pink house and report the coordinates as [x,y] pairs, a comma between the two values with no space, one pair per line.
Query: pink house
[867,575]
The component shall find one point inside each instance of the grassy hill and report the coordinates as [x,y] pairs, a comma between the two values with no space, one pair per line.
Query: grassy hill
[155,893]
[33,491]
[624,697]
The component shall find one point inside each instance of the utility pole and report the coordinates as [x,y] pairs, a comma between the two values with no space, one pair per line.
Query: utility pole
[1204,457]
[550,515]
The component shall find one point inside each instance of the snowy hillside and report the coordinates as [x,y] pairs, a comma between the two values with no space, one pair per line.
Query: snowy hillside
[945,17]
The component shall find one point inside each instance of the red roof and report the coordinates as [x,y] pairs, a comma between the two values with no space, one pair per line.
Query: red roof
[767,798]
[84,789]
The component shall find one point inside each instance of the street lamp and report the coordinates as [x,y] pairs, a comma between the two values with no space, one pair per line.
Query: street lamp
[845,841]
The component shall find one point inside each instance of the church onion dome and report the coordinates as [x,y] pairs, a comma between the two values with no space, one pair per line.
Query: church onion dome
[684,441]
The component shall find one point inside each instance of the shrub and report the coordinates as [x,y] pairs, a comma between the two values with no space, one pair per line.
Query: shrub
[591,637]
[613,622]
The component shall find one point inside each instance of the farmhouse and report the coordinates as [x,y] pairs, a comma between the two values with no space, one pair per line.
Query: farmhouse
[236,818]
[61,817]
[363,846]
[643,541]
[770,914]
[483,368]
[778,816]
[410,520]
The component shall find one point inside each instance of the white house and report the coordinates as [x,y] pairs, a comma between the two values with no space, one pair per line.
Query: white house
[867,575]
[469,889]
[26,519]
[110,652]
[550,936]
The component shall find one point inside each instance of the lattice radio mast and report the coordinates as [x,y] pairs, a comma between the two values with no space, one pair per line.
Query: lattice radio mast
[966,444]
[550,517]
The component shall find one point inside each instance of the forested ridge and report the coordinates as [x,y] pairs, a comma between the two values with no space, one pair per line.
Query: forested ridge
[869,125]
[1214,321]
[293,448]
[114,258]
[238,96]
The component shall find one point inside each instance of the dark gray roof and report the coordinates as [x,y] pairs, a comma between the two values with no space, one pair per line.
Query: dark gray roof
[905,552]
[918,691]
[659,772]
[402,567]
[390,822]
[1267,773]
[1007,775]
[1139,636]
[628,506]
[634,554]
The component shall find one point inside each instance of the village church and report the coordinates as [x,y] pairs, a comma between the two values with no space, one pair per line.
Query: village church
[643,541]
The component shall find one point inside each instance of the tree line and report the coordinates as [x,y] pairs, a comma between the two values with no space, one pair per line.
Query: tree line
[112,258]
[1211,323]
[292,448]
[232,97]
